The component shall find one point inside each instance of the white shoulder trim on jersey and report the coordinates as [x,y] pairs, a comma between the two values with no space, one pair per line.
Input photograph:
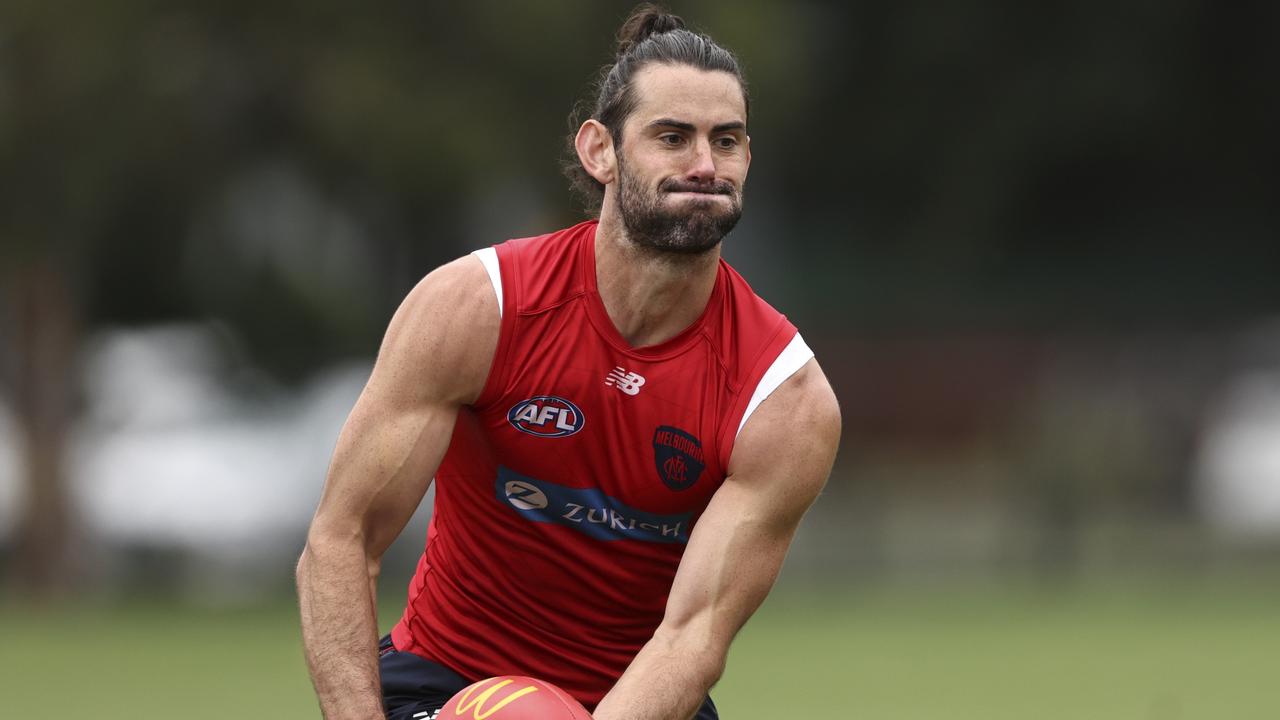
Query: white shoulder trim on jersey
[489,256]
[792,358]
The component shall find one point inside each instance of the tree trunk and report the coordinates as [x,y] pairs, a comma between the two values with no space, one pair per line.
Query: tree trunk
[45,327]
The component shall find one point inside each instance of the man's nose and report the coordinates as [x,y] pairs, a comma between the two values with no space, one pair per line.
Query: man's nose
[702,167]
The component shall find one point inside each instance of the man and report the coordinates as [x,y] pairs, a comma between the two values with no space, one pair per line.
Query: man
[623,436]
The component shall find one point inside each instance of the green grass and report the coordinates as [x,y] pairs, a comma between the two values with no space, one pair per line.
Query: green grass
[1152,653]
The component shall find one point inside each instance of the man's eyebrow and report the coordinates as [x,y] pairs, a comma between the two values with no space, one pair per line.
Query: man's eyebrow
[677,124]
[689,127]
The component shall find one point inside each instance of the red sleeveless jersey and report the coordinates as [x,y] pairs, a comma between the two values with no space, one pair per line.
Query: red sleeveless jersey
[570,487]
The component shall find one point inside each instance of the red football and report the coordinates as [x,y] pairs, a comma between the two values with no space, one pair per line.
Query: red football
[513,697]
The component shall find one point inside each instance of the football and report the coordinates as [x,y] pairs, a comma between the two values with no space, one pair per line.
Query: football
[513,697]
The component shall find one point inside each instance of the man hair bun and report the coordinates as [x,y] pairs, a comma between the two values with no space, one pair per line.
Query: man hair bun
[646,20]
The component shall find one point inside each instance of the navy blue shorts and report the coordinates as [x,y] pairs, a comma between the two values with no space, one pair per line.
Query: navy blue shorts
[414,688]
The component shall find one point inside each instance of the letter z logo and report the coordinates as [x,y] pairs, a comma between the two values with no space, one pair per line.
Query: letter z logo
[525,496]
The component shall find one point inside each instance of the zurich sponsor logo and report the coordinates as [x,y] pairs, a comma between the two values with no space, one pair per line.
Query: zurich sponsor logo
[525,496]
[588,510]
[546,416]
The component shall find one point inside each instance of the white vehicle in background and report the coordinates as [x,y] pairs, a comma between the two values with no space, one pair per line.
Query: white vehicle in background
[1238,473]
[184,455]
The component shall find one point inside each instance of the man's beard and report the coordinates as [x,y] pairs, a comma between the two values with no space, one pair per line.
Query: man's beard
[690,230]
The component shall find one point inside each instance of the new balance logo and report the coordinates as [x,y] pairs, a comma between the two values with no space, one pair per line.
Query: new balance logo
[627,382]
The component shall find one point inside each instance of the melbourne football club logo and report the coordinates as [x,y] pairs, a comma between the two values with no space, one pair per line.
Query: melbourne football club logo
[546,416]
[678,457]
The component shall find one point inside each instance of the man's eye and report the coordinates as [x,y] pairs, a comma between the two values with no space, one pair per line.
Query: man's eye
[728,143]
[670,139]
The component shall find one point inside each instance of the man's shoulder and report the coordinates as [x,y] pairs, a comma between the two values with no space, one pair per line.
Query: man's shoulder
[550,245]
[751,329]
[457,282]
[543,270]
[748,306]
[800,419]
[446,322]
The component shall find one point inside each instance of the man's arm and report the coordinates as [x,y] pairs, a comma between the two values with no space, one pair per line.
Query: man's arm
[434,359]
[780,463]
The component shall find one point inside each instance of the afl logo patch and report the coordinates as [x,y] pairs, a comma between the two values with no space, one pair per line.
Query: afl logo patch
[546,416]
[678,456]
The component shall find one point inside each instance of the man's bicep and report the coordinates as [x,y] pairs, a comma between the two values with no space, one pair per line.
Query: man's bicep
[381,468]
[788,445]
[429,365]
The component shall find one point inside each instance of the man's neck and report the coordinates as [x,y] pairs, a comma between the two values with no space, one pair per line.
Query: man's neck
[650,295]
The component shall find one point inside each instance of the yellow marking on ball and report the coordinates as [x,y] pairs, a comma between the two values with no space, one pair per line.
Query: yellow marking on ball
[477,705]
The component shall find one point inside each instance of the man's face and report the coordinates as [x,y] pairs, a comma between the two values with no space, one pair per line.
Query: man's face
[683,159]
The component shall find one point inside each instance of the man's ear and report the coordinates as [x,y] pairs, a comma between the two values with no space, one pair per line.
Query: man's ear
[594,144]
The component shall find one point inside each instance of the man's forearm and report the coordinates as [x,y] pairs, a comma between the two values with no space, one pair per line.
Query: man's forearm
[667,680]
[339,630]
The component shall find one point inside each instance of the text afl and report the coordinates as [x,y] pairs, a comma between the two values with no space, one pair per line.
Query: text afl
[546,416]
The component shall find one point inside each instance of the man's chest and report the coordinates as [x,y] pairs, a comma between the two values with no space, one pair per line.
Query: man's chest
[641,432]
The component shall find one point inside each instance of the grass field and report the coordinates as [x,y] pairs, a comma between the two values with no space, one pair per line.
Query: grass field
[1175,652]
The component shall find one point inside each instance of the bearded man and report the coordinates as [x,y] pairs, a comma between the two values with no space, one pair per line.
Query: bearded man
[623,436]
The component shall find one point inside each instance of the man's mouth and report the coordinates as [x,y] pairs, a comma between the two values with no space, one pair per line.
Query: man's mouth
[699,193]
[720,188]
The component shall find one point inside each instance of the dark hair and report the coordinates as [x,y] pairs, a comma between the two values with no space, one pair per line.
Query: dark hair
[649,35]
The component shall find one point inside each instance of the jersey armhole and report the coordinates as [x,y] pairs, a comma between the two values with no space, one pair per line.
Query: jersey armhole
[495,263]
[489,258]
[788,363]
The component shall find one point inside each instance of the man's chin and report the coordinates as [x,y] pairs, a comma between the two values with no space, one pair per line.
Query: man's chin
[702,232]
[681,223]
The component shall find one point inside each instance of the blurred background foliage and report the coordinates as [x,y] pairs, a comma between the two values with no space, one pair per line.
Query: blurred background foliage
[1035,247]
